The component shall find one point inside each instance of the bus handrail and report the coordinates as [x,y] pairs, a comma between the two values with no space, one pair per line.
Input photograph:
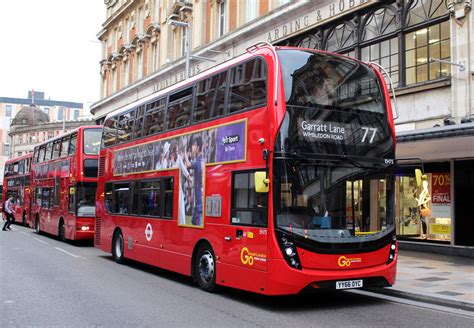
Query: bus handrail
[257,46]
[391,87]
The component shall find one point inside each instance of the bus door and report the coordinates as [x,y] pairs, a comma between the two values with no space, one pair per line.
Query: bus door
[245,238]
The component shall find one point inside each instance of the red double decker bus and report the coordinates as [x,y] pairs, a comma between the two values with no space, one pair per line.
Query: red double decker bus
[64,182]
[16,182]
[272,173]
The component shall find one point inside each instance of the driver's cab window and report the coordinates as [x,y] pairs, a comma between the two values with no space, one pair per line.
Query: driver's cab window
[249,208]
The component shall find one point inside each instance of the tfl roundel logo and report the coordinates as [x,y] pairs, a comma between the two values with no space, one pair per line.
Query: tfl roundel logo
[347,261]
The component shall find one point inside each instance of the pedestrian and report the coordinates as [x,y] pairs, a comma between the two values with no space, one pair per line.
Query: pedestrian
[8,213]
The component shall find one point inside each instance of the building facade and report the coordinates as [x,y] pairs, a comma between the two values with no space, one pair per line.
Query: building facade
[427,47]
[24,122]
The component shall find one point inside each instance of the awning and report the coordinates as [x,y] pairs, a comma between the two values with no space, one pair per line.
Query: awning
[437,143]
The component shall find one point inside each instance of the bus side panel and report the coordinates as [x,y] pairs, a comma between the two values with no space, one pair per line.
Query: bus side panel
[241,278]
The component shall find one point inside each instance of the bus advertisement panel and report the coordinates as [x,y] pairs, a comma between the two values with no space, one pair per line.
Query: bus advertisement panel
[64,182]
[271,173]
[16,182]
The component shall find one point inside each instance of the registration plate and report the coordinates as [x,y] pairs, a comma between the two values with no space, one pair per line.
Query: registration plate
[349,284]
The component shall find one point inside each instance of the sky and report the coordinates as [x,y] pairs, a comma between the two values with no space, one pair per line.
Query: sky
[51,46]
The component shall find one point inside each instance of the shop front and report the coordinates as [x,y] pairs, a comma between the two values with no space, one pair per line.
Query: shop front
[447,154]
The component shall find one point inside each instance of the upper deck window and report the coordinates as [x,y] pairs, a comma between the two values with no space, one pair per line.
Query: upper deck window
[328,81]
[155,117]
[248,87]
[210,97]
[92,141]
[179,109]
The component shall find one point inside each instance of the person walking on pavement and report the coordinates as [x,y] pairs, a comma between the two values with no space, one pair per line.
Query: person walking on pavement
[8,213]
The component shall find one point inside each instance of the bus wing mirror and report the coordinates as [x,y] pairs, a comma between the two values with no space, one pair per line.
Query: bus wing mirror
[261,181]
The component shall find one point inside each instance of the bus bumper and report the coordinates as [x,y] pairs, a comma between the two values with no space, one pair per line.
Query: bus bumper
[284,280]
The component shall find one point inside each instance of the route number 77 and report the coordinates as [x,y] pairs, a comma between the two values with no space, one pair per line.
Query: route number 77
[367,131]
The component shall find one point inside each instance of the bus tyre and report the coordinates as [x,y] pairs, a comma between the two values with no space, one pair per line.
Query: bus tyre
[117,247]
[37,226]
[61,231]
[205,268]
[23,219]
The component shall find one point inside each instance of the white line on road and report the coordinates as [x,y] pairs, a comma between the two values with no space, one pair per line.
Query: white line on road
[66,252]
[14,229]
[407,302]
[24,233]
[41,241]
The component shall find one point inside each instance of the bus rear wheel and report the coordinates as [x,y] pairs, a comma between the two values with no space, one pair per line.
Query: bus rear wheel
[23,219]
[117,247]
[62,231]
[205,268]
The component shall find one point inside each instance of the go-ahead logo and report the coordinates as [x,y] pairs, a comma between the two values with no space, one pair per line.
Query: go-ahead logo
[247,257]
[347,261]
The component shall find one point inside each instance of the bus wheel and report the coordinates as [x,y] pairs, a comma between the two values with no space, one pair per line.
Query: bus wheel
[205,268]
[37,226]
[61,231]
[117,247]
[23,219]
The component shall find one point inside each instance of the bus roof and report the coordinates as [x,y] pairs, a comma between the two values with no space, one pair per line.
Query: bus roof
[19,158]
[261,50]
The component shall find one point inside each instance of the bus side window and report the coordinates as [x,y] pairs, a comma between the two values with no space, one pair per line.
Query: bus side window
[38,196]
[109,132]
[210,97]
[108,197]
[155,117]
[125,127]
[49,151]
[72,145]
[168,189]
[64,147]
[121,198]
[247,85]
[138,126]
[248,207]
[179,109]
[56,149]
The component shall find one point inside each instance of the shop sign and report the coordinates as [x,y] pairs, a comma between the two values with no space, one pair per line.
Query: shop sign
[314,17]
[441,195]
[440,229]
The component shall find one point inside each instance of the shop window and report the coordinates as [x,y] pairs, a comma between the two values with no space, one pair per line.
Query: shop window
[384,53]
[340,37]
[248,206]
[379,23]
[423,44]
[421,11]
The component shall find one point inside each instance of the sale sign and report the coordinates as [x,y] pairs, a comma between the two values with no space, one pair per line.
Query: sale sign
[440,195]
[441,188]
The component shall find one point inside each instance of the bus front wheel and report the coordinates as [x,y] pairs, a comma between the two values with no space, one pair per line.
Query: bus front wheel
[37,225]
[117,247]
[205,268]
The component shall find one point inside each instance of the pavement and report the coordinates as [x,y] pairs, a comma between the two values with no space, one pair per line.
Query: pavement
[434,278]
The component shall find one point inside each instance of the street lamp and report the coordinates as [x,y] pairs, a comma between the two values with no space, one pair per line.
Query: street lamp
[185,26]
